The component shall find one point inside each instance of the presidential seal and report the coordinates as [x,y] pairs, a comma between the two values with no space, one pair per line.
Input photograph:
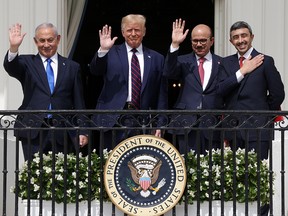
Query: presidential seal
[145,175]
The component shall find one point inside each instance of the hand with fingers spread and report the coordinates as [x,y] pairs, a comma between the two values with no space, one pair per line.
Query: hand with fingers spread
[263,89]
[194,85]
[38,74]
[178,34]
[15,37]
[119,66]
[250,64]
[105,38]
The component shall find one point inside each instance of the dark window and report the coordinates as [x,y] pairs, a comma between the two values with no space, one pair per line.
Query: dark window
[159,13]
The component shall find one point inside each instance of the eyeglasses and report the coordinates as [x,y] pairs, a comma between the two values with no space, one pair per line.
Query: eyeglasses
[201,41]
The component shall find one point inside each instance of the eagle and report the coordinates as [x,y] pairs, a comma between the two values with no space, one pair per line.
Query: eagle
[145,173]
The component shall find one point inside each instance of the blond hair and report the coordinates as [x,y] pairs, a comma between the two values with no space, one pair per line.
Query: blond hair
[138,18]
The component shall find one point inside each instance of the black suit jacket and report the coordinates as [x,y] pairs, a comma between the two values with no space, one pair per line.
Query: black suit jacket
[192,96]
[30,71]
[114,68]
[262,89]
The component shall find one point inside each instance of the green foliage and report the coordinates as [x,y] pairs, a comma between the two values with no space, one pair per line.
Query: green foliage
[32,184]
[209,178]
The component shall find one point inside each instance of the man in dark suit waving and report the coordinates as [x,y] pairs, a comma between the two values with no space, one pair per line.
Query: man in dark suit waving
[115,63]
[197,72]
[62,92]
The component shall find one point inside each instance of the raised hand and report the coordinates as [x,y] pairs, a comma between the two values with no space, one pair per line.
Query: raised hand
[178,34]
[15,37]
[105,38]
[250,64]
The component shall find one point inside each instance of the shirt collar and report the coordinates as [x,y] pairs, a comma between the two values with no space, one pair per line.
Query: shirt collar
[247,54]
[54,58]
[139,49]
[208,56]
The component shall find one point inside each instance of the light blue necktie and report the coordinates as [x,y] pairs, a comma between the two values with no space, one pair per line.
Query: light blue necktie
[50,76]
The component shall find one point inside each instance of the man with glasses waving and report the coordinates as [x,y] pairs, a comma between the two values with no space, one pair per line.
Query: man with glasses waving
[197,72]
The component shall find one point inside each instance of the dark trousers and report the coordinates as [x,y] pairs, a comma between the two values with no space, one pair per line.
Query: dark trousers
[261,148]
[130,125]
[47,141]
[113,138]
[196,141]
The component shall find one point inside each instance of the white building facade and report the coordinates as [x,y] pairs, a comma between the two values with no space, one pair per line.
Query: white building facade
[268,19]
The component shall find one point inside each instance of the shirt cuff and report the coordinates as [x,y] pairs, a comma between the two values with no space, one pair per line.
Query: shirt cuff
[102,53]
[11,55]
[172,49]
[239,76]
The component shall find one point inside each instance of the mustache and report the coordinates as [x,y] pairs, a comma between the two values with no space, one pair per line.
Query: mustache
[242,43]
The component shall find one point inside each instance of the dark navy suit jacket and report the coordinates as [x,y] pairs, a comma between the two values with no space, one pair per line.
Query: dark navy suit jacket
[30,71]
[114,68]
[192,96]
[262,89]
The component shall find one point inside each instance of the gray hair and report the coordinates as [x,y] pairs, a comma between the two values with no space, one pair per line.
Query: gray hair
[46,25]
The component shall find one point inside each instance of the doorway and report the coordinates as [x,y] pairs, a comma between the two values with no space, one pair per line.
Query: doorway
[160,15]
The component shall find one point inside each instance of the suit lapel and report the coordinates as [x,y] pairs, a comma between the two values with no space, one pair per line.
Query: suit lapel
[147,67]
[62,70]
[193,66]
[42,72]
[214,71]
[123,56]
[253,54]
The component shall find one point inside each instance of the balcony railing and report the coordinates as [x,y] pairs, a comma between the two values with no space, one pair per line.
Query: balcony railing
[170,122]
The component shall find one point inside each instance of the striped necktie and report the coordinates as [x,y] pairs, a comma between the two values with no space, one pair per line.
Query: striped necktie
[136,80]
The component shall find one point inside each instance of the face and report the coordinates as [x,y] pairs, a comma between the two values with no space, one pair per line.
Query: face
[46,42]
[201,40]
[241,40]
[133,33]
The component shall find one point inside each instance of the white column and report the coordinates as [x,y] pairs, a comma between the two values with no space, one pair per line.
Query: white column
[269,24]
[29,13]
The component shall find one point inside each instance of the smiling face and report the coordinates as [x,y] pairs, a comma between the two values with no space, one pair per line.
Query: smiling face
[47,40]
[133,29]
[201,39]
[241,39]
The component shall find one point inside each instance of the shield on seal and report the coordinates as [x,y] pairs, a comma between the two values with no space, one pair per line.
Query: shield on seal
[145,182]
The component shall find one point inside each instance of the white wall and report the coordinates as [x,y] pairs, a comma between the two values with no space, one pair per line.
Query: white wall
[267,19]
[29,13]
[269,23]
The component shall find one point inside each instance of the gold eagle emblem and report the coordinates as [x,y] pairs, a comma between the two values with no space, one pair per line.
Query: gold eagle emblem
[145,172]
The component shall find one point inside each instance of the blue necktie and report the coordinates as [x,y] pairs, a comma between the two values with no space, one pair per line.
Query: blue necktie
[136,80]
[50,77]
